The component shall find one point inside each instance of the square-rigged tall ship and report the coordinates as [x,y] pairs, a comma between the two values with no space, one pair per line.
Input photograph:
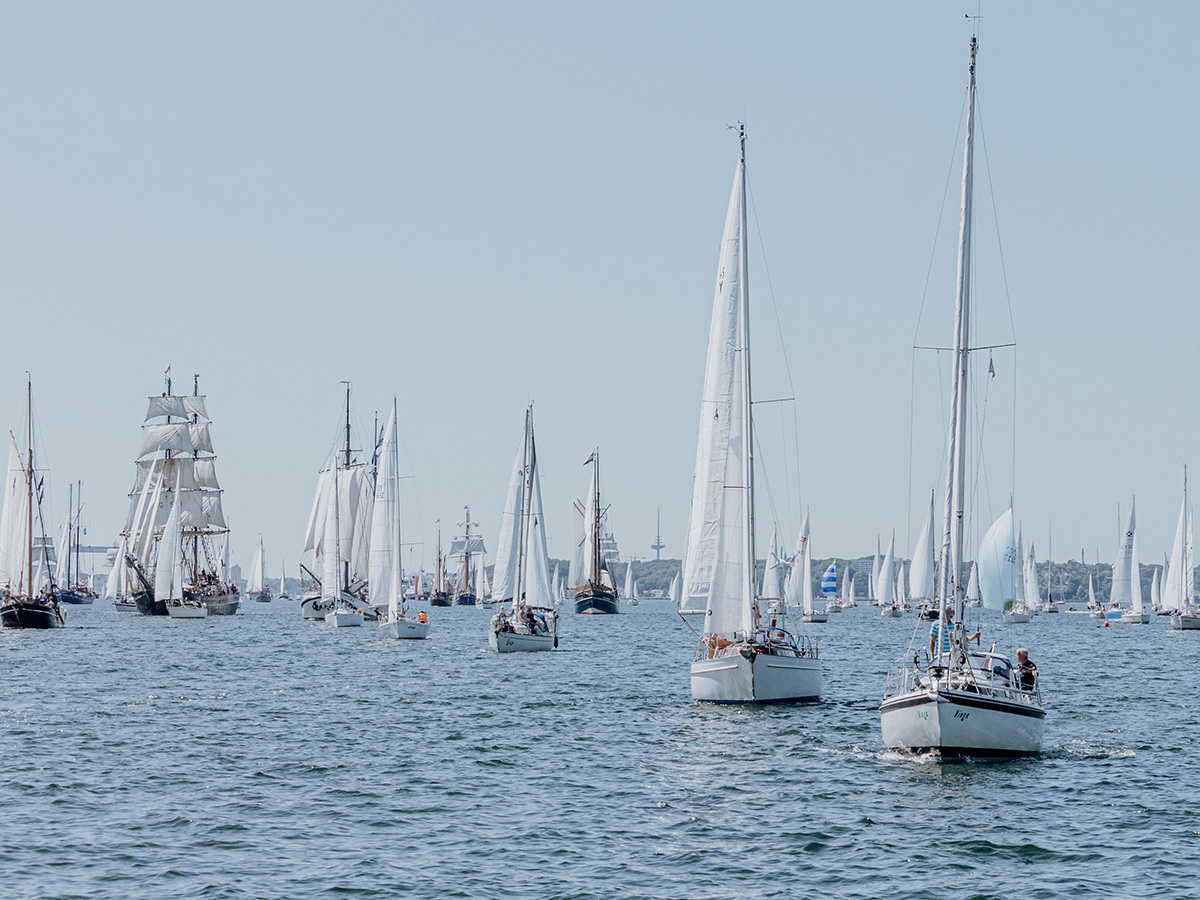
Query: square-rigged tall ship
[177,466]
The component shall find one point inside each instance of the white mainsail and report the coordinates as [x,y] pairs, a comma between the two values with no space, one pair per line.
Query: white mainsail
[718,566]
[331,570]
[256,579]
[385,574]
[1122,577]
[504,572]
[876,562]
[628,590]
[973,583]
[806,590]
[14,524]
[922,572]
[772,586]
[168,568]
[575,574]
[884,586]
[114,586]
[1180,584]
[1019,581]
[1136,603]
[1033,594]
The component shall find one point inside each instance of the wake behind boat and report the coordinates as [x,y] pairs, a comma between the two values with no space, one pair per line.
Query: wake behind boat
[742,656]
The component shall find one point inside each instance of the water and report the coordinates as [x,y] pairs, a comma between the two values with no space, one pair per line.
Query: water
[265,757]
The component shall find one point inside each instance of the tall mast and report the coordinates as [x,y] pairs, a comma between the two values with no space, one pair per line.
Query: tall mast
[398,569]
[523,525]
[78,528]
[750,576]
[69,529]
[347,423]
[29,483]
[337,524]
[952,533]
[596,523]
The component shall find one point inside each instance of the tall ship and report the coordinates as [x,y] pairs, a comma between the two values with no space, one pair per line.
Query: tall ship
[470,579]
[175,511]
[338,539]
[590,579]
[439,596]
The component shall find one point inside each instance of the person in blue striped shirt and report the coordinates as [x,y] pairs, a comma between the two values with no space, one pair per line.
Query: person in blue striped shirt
[947,629]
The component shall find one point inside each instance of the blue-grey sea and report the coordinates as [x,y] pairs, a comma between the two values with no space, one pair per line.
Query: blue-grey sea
[264,757]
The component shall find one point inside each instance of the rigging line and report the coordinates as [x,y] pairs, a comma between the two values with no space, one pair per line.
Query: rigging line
[996,224]
[767,484]
[787,364]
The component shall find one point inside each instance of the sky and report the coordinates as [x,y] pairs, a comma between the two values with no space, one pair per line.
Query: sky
[475,206]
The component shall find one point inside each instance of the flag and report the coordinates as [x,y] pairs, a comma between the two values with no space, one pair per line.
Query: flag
[589,459]
[991,367]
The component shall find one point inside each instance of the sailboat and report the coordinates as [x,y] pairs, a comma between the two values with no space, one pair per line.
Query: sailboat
[809,614]
[168,565]
[283,592]
[630,586]
[177,455]
[963,702]
[922,571]
[1137,614]
[1120,600]
[469,548]
[1016,611]
[439,596]
[1095,610]
[384,565]
[116,585]
[23,602]
[742,656]
[257,588]
[590,577]
[338,539]
[829,589]
[1179,590]
[74,587]
[885,588]
[522,570]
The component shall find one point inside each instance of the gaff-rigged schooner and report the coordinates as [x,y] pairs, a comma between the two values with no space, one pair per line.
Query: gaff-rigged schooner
[73,586]
[590,579]
[176,467]
[468,586]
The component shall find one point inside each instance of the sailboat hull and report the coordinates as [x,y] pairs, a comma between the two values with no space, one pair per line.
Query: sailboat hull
[814,617]
[264,597]
[511,642]
[197,611]
[404,630]
[1132,618]
[216,604]
[955,723]
[757,678]
[23,613]
[890,612]
[464,600]
[77,598]
[1016,618]
[314,608]
[439,600]
[1185,623]
[344,618]
[596,602]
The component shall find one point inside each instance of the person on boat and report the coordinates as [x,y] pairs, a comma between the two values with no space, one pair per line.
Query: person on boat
[1027,670]
[421,617]
[946,632]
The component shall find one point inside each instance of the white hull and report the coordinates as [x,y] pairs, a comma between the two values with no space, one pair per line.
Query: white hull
[404,630]
[1132,618]
[956,723]
[816,617]
[765,678]
[187,612]
[1016,618]
[1096,613]
[1183,622]
[834,608]
[313,608]
[890,612]
[344,618]
[511,642]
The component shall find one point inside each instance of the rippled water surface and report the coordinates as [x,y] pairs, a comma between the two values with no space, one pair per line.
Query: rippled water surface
[264,757]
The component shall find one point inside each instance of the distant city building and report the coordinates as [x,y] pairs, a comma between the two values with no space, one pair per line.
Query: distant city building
[235,572]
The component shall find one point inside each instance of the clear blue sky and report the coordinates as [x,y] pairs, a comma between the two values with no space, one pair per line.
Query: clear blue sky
[477,204]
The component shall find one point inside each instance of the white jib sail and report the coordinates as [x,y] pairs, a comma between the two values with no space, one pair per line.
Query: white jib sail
[256,578]
[884,586]
[168,569]
[922,572]
[1136,604]
[504,572]
[538,591]
[113,586]
[1122,577]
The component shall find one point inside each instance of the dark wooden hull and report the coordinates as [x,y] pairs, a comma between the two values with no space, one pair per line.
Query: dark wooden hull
[439,600]
[596,601]
[22,613]
[218,604]
[464,600]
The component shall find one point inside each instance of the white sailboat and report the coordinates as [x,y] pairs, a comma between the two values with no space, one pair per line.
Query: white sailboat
[1017,612]
[522,570]
[922,570]
[873,580]
[742,656]
[829,588]
[963,702]
[257,588]
[974,598]
[885,587]
[339,611]
[1137,614]
[630,586]
[1095,610]
[1120,600]
[1179,590]
[385,571]
[809,614]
